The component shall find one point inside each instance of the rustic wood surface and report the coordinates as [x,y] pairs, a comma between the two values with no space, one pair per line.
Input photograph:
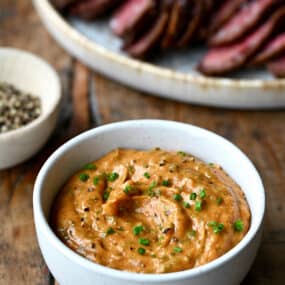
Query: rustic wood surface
[91,100]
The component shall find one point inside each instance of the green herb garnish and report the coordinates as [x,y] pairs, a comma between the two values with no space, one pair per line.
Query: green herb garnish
[152,185]
[193,196]
[166,182]
[177,249]
[144,241]
[186,205]
[128,189]
[111,177]
[217,227]
[177,197]
[238,225]
[219,200]
[198,206]
[96,180]
[83,177]
[110,231]
[137,230]
[146,175]
[192,233]
[106,195]
[90,166]
[182,153]
[202,193]
[141,250]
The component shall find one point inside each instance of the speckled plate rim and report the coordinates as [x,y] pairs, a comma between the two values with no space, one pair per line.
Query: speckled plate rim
[55,19]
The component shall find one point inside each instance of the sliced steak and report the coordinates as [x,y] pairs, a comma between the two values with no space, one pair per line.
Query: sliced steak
[273,48]
[240,24]
[62,4]
[277,67]
[204,29]
[177,22]
[221,60]
[151,38]
[193,24]
[131,14]
[91,9]
[225,12]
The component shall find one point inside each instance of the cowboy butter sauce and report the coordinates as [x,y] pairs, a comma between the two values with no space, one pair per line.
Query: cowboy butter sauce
[150,211]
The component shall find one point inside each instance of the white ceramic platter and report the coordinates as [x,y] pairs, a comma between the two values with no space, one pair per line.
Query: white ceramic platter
[171,75]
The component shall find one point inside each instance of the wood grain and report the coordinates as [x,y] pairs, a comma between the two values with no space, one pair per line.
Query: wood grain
[20,258]
[89,100]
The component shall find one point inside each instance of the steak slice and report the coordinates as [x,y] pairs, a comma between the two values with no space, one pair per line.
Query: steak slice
[277,67]
[241,23]
[225,12]
[151,38]
[273,48]
[221,60]
[62,4]
[177,22]
[91,9]
[193,24]
[130,15]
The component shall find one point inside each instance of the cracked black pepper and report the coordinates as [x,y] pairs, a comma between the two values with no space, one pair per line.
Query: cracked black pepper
[17,108]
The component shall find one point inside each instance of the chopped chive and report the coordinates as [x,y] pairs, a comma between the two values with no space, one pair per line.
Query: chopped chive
[141,250]
[144,241]
[152,185]
[128,189]
[146,175]
[211,164]
[182,153]
[90,166]
[219,200]
[198,206]
[111,177]
[202,193]
[186,205]
[192,233]
[193,196]
[218,228]
[106,195]
[137,230]
[83,177]
[177,197]
[166,182]
[96,180]
[177,249]
[110,231]
[238,225]
[212,224]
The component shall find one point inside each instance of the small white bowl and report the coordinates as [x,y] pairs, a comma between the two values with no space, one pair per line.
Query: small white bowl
[29,74]
[70,268]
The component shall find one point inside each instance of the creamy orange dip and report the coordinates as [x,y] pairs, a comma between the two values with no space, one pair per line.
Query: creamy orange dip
[150,211]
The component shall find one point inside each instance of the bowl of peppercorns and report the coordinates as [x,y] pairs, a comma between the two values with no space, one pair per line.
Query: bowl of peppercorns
[30,94]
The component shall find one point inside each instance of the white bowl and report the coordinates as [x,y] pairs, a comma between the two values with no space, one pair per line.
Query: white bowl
[30,74]
[70,268]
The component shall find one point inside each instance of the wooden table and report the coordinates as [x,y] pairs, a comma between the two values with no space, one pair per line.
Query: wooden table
[91,100]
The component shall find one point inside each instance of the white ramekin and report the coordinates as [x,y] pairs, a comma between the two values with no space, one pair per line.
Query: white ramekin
[70,268]
[30,74]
